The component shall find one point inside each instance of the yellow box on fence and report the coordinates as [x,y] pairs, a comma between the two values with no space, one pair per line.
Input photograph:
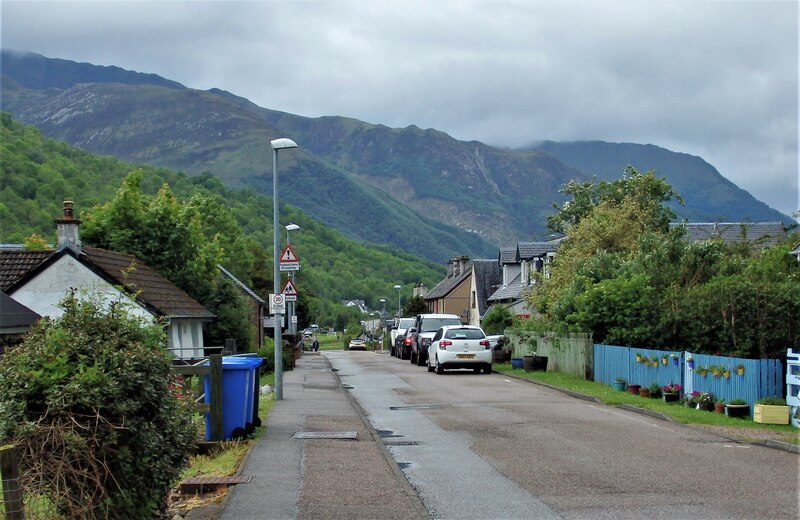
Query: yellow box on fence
[770,414]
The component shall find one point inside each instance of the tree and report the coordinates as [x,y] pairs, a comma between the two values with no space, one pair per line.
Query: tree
[645,191]
[497,320]
[415,305]
[182,242]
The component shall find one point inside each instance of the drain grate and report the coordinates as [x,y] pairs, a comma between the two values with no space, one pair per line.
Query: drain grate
[348,387]
[387,433]
[400,443]
[325,435]
[194,485]
[417,407]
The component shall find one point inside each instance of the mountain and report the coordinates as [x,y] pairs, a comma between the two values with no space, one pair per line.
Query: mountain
[418,190]
[708,196]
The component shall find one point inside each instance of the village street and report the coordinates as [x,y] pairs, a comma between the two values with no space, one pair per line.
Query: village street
[488,446]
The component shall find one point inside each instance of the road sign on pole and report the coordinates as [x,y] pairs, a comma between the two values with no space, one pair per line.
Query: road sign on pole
[289,291]
[277,304]
[288,260]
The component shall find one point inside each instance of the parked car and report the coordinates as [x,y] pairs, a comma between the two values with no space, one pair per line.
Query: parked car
[357,344]
[404,344]
[424,328]
[461,346]
[397,334]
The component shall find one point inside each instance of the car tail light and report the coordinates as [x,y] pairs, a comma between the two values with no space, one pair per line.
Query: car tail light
[407,340]
[486,345]
[443,344]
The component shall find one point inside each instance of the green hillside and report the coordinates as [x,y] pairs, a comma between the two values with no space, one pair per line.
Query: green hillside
[37,174]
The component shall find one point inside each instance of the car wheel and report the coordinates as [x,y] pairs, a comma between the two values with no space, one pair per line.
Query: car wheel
[439,369]
[430,367]
[487,369]
[477,370]
[412,358]
[420,359]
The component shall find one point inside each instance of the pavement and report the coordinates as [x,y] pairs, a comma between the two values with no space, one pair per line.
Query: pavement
[329,475]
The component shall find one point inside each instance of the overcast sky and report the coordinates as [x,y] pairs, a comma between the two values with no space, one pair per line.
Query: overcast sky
[718,79]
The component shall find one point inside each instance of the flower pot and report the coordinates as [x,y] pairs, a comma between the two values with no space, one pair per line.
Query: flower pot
[618,385]
[644,392]
[726,374]
[719,407]
[771,414]
[740,371]
[527,363]
[638,358]
[664,360]
[671,397]
[690,363]
[634,389]
[540,363]
[675,361]
[516,362]
[737,410]
[501,356]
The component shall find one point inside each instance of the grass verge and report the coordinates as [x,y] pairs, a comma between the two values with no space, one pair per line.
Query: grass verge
[677,411]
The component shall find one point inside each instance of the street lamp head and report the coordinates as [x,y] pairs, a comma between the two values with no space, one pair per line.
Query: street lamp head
[397,287]
[383,300]
[292,227]
[278,144]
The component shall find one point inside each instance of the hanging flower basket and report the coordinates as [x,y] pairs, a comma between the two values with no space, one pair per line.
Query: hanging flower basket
[690,362]
[739,369]
[663,360]
[674,359]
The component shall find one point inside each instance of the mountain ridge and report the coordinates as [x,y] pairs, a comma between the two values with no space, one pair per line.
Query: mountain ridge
[419,190]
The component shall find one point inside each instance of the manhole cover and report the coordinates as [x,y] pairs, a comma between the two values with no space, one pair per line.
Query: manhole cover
[416,407]
[325,435]
[400,443]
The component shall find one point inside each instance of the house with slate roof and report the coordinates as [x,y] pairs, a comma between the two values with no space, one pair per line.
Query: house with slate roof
[257,306]
[41,279]
[758,235]
[519,264]
[465,289]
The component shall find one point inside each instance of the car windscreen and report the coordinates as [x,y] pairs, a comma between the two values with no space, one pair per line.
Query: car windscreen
[406,323]
[464,334]
[434,324]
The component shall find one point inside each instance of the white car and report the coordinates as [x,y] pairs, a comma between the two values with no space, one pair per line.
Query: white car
[460,346]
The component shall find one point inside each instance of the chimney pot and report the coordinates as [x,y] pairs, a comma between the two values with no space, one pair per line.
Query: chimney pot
[67,228]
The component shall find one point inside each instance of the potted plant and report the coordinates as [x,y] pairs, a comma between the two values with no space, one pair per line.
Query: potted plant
[701,370]
[618,384]
[654,361]
[690,361]
[644,391]
[725,372]
[674,358]
[705,401]
[655,390]
[664,359]
[638,357]
[719,406]
[671,392]
[634,389]
[737,408]
[739,369]
[771,410]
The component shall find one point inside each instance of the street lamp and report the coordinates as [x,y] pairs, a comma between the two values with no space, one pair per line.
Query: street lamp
[399,311]
[383,312]
[292,326]
[277,144]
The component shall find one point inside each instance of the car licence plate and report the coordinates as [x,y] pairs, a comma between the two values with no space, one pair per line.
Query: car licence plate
[465,356]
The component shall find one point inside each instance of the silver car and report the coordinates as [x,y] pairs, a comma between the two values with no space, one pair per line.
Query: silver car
[460,346]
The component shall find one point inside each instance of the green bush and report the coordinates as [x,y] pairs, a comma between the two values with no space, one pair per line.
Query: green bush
[267,353]
[90,400]
[772,401]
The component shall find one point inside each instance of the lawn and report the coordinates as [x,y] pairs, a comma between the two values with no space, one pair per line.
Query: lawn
[677,411]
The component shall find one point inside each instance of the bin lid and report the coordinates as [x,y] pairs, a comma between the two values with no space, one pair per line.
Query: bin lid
[249,361]
[238,362]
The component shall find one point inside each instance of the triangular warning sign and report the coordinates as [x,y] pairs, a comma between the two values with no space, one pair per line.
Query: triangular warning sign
[288,255]
[289,289]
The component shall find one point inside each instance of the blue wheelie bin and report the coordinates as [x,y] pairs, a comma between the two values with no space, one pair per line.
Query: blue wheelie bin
[238,382]
[252,363]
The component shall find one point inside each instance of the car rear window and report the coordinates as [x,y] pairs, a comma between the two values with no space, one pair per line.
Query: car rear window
[464,334]
[434,324]
[406,323]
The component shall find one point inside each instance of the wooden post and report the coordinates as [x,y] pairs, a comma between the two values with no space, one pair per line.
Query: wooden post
[12,492]
[215,399]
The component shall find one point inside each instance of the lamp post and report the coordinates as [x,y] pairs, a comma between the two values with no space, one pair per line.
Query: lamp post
[292,325]
[277,144]
[383,312]
[399,310]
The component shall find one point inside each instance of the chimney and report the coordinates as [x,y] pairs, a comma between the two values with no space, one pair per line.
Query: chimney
[450,269]
[456,270]
[67,229]
[464,264]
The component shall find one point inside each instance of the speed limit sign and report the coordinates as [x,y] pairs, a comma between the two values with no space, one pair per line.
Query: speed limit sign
[277,303]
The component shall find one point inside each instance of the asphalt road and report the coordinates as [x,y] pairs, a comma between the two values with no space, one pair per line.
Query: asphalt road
[486,446]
